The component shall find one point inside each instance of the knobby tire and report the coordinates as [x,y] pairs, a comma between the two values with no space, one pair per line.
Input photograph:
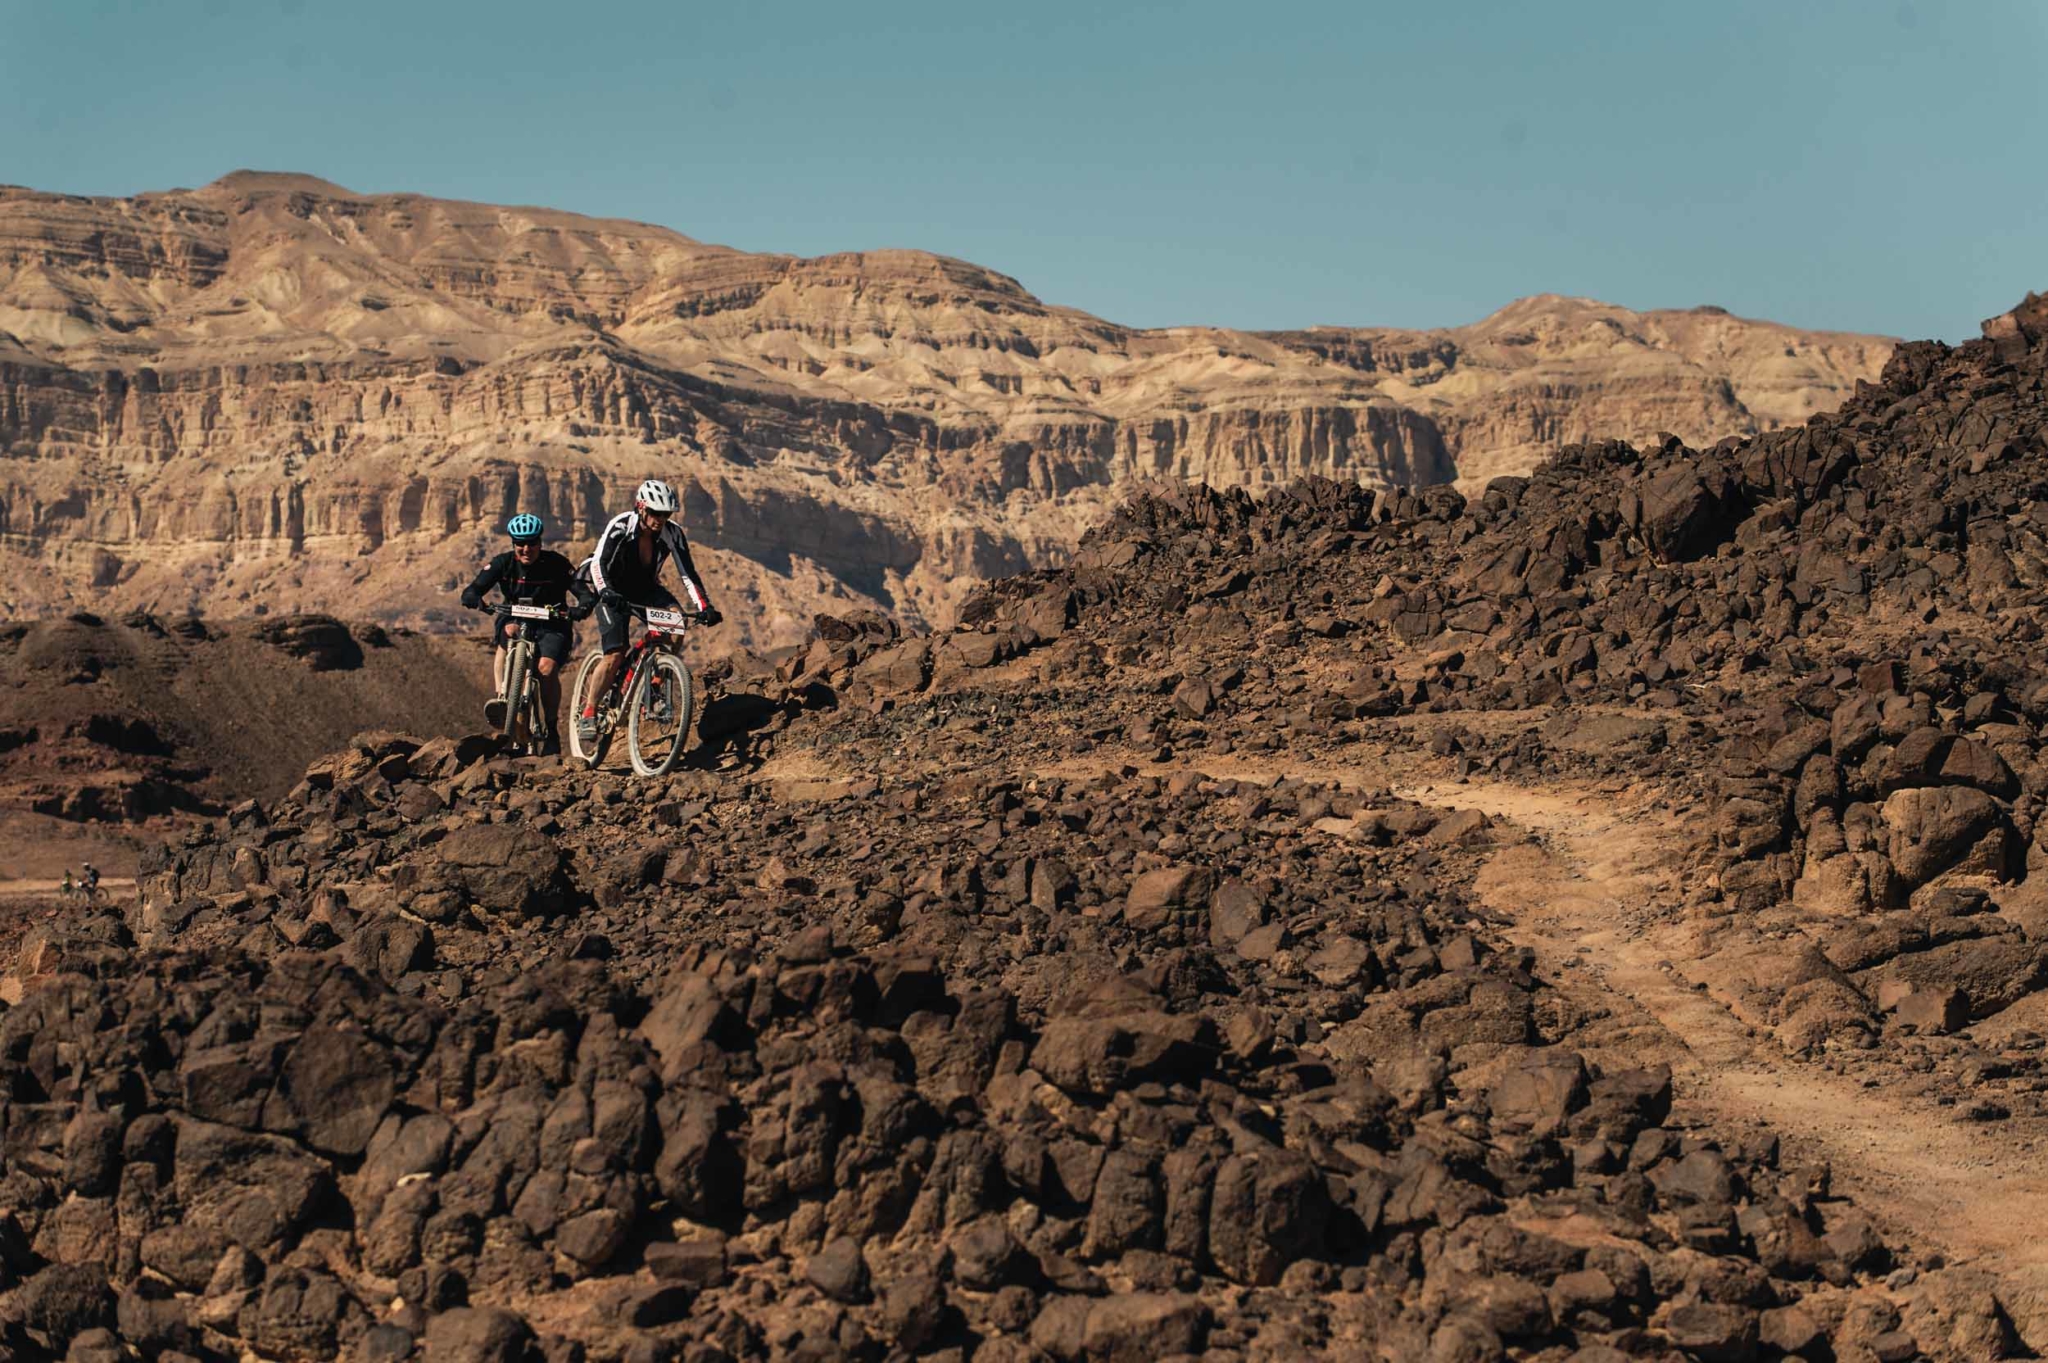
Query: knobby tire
[595,753]
[676,678]
[517,663]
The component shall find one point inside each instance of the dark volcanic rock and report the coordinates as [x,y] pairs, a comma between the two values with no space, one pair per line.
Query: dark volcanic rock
[504,867]
[1009,1022]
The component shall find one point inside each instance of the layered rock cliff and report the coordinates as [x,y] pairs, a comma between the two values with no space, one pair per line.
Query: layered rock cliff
[274,392]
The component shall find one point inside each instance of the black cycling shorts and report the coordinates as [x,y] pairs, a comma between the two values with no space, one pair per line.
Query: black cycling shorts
[613,619]
[552,639]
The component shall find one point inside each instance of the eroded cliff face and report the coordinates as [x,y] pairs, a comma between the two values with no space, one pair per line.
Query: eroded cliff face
[272,391]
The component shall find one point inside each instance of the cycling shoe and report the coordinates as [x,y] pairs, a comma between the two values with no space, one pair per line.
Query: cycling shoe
[494,711]
[586,728]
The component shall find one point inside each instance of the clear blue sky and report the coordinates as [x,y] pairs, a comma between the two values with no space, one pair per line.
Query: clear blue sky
[1877,166]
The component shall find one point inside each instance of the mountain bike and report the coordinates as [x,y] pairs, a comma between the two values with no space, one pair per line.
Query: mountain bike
[651,696]
[525,720]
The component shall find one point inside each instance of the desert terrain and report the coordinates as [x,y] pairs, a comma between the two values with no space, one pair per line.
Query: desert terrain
[115,731]
[275,393]
[1595,916]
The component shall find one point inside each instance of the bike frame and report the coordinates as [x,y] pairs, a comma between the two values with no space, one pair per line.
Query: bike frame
[662,634]
[526,629]
[666,636]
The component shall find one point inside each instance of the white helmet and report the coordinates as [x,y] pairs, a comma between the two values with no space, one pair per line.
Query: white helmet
[656,495]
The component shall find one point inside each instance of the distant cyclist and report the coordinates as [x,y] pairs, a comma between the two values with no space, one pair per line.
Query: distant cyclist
[531,576]
[625,568]
[91,883]
[70,885]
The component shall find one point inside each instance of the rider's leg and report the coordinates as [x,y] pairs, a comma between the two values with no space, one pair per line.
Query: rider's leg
[607,668]
[494,708]
[494,704]
[611,642]
[600,679]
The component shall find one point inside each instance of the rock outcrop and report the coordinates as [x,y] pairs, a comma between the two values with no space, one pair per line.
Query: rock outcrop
[274,391]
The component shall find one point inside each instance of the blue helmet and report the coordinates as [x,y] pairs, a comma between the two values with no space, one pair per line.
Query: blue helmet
[524,528]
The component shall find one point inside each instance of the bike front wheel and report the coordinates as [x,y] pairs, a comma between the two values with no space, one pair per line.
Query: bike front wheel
[658,726]
[513,685]
[592,753]
[532,709]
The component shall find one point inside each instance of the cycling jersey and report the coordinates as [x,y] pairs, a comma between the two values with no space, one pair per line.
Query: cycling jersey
[547,581]
[615,566]
[613,621]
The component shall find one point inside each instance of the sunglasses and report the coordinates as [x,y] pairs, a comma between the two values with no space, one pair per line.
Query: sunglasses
[525,544]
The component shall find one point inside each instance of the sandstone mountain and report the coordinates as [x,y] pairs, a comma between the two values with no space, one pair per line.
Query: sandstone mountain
[275,394]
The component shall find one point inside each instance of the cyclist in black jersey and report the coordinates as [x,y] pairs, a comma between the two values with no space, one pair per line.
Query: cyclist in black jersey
[532,576]
[626,567]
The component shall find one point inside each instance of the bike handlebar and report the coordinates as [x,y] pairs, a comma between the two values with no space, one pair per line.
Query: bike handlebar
[504,608]
[640,611]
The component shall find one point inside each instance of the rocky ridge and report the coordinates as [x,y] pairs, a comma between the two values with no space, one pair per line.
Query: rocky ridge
[1817,636]
[272,391]
[1055,988]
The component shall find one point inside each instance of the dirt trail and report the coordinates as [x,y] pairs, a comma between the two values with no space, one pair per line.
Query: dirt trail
[1595,893]
[108,887]
[1588,889]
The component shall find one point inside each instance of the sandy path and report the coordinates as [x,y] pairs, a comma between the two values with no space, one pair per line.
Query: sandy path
[110,886]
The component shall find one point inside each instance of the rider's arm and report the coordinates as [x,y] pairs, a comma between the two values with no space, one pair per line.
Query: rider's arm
[585,594]
[679,550]
[608,544]
[473,594]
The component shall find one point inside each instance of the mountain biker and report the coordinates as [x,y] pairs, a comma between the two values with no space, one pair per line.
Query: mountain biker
[531,576]
[92,882]
[626,568]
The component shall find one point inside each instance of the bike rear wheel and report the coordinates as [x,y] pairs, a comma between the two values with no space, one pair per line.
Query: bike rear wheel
[592,753]
[659,715]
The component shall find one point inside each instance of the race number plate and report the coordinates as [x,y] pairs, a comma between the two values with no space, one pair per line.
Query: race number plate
[666,619]
[531,612]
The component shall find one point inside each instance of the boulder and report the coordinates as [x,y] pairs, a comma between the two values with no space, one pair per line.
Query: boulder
[480,1335]
[1235,912]
[1194,698]
[1538,1098]
[839,1271]
[1265,1211]
[506,868]
[1934,1012]
[902,670]
[1144,1327]
[253,1189]
[1681,517]
[1156,896]
[1932,828]
[338,1085]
